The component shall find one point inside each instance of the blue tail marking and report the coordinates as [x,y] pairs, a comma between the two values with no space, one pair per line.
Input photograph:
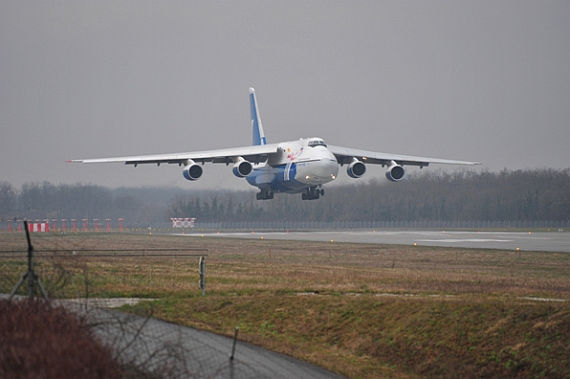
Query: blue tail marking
[257,127]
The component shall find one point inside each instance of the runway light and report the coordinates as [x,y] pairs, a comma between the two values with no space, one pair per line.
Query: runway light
[261,238]
[415,244]
[518,249]
[201,235]
[332,241]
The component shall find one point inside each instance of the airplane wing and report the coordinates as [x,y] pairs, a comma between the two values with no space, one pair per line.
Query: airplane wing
[344,155]
[254,154]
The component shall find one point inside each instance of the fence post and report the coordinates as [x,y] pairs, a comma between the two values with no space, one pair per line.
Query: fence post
[203,275]
[236,330]
[31,275]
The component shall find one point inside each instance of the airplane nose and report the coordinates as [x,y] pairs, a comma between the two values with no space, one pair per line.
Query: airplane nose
[326,171]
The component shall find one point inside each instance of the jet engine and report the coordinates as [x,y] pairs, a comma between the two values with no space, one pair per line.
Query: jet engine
[356,169]
[242,168]
[395,172]
[192,171]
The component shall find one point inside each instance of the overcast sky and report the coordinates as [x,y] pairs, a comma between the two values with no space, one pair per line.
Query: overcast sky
[485,81]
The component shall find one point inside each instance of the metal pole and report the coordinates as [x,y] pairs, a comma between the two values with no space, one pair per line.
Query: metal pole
[203,275]
[30,274]
[236,330]
[30,262]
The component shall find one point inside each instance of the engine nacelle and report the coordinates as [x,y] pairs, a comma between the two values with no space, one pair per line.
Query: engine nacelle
[395,172]
[356,169]
[242,168]
[192,171]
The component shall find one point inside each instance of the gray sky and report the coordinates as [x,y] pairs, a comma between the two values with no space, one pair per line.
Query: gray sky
[476,80]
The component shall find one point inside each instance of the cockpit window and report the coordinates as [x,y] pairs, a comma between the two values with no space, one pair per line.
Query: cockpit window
[317,142]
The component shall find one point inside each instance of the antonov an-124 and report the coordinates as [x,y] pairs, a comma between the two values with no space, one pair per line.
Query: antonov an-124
[301,166]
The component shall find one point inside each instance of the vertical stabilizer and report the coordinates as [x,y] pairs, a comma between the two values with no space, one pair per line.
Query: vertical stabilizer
[257,128]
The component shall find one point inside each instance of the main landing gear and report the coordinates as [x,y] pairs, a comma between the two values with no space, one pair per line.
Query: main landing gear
[312,193]
[265,194]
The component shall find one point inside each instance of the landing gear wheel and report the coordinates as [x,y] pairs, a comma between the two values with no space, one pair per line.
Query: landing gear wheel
[265,194]
[312,193]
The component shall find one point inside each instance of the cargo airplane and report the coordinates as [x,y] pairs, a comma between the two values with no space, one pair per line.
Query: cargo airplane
[301,166]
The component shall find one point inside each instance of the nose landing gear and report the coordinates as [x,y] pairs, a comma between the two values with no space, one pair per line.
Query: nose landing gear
[312,193]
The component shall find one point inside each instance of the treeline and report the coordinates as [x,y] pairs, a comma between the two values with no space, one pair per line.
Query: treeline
[139,206]
[523,195]
[461,196]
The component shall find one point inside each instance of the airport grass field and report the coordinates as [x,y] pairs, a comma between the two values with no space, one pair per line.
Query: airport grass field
[359,310]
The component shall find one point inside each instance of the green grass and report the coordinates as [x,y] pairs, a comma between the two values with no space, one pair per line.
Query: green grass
[367,335]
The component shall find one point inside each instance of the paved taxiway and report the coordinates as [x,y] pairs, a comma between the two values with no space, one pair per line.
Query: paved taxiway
[184,352]
[540,241]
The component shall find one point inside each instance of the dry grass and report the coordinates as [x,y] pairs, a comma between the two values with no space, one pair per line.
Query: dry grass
[39,341]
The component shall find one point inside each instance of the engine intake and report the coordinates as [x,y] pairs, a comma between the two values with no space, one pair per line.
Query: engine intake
[395,172]
[242,168]
[192,171]
[356,169]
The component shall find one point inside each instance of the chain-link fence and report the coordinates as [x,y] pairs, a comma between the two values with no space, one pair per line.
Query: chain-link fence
[67,270]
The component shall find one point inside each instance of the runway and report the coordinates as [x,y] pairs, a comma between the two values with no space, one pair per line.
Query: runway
[527,241]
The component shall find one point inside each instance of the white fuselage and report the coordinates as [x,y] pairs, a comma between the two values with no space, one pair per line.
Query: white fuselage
[296,166]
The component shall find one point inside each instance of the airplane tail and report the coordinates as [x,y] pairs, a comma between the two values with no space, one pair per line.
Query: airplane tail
[257,128]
